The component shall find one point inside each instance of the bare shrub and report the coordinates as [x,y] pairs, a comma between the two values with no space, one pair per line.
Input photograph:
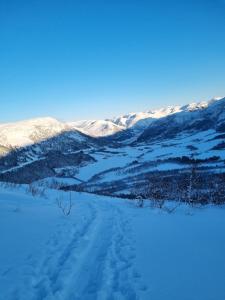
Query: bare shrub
[63,205]
[170,210]
[54,184]
[158,203]
[140,201]
[36,191]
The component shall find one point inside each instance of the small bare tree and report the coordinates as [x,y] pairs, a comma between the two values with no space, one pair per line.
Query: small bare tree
[139,196]
[140,201]
[170,210]
[35,190]
[64,206]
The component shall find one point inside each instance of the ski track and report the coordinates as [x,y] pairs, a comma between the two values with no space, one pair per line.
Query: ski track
[93,258]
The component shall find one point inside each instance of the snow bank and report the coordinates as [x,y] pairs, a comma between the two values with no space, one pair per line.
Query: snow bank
[108,249]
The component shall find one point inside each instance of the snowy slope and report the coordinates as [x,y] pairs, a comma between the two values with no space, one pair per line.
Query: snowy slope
[31,131]
[118,171]
[195,117]
[108,249]
[39,147]
[140,120]
[196,129]
[96,128]
[135,123]
[131,119]
[28,132]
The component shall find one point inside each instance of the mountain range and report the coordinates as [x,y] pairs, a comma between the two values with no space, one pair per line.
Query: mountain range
[113,156]
[34,130]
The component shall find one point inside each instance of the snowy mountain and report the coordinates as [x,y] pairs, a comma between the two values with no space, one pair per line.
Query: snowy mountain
[38,148]
[165,148]
[139,145]
[194,117]
[109,127]
[84,244]
[131,119]
[96,128]
[28,132]
[44,134]
[128,126]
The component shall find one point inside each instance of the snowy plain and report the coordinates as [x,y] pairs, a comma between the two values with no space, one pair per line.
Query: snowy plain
[108,248]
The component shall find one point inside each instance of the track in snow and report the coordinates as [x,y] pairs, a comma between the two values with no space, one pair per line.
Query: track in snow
[89,257]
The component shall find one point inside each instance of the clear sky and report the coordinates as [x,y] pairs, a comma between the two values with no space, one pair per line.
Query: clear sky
[99,58]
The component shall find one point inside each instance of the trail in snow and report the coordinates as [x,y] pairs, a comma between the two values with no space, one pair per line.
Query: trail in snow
[92,258]
[108,249]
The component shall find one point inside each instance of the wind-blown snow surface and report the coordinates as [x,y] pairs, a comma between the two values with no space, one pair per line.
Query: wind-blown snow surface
[108,249]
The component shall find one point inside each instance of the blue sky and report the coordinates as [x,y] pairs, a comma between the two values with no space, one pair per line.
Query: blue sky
[95,59]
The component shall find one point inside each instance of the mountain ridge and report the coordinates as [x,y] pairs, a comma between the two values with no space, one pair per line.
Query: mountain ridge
[26,132]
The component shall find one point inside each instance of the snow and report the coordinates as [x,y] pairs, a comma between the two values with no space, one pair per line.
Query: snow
[26,132]
[183,254]
[131,119]
[103,163]
[178,146]
[169,149]
[23,133]
[52,181]
[139,120]
[108,249]
[114,175]
[96,128]
[22,165]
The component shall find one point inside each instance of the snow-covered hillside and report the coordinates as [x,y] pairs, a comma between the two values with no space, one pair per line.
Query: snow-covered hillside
[131,119]
[108,249]
[125,127]
[137,121]
[115,164]
[39,148]
[172,160]
[119,171]
[96,128]
[28,132]
[140,120]
[191,118]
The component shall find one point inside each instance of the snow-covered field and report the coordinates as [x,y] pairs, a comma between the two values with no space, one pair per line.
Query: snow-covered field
[108,249]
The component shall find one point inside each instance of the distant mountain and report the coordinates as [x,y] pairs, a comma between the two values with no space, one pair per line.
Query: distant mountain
[127,127]
[157,160]
[110,127]
[119,155]
[28,132]
[97,128]
[129,120]
[29,147]
[38,148]
[195,117]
